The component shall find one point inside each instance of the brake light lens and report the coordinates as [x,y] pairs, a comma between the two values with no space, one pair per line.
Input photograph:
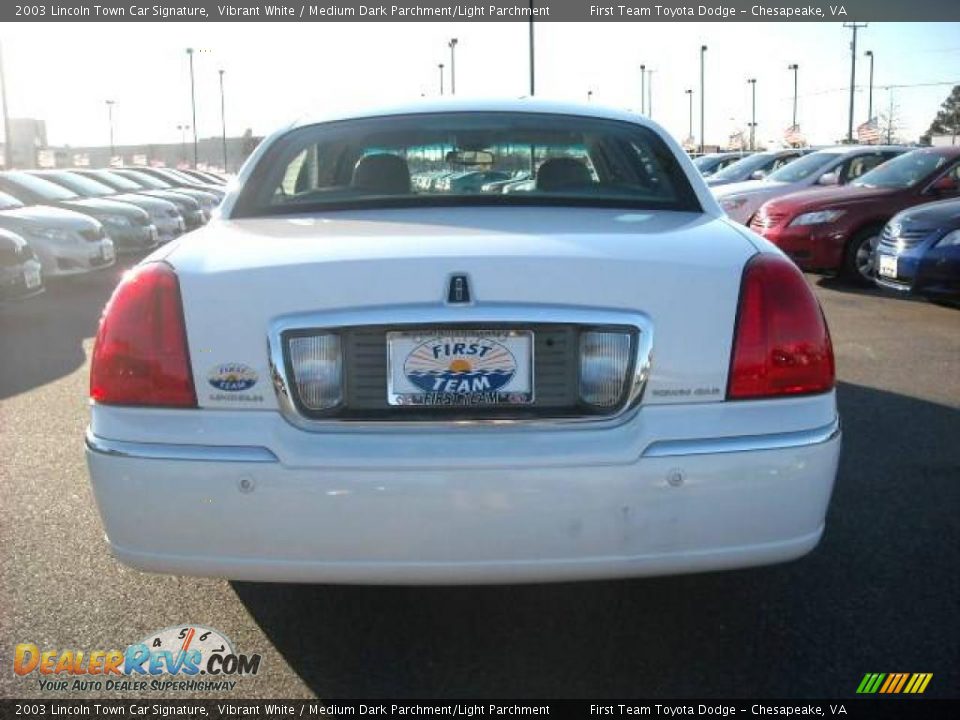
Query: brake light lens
[782,344]
[141,355]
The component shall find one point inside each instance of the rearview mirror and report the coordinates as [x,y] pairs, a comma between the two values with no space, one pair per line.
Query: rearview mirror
[758,175]
[830,178]
[470,157]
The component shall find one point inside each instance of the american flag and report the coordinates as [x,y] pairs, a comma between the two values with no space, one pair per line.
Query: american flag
[869,132]
[793,136]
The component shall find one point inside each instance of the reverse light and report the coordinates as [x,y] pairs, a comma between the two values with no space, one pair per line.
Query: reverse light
[604,361]
[141,355]
[317,367]
[816,218]
[781,344]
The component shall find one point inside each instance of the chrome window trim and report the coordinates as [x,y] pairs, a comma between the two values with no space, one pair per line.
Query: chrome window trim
[170,451]
[744,443]
[397,317]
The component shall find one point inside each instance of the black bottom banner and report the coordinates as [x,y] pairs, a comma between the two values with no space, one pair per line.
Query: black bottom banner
[874,709]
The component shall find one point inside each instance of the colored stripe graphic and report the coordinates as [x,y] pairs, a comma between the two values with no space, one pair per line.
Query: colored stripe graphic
[894,683]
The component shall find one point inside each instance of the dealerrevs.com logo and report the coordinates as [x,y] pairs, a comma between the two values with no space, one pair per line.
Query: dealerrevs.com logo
[181,658]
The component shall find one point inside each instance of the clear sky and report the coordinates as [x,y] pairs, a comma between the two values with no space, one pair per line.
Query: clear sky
[63,72]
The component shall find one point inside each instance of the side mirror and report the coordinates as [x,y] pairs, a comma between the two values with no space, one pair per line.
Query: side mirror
[944,185]
[758,175]
[830,178]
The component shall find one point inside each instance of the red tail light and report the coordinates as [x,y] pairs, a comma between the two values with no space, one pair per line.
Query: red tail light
[141,355]
[782,344]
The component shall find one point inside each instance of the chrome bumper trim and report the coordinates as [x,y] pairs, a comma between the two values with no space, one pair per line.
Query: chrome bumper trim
[744,443]
[167,451]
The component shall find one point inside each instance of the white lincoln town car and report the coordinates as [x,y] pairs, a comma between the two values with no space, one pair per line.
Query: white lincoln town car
[353,377]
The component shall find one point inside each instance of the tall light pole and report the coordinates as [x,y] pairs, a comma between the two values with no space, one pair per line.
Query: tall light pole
[650,94]
[643,89]
[703,53]
[110,120]
[7,146]
[753,113]
[223,121]
[183,140]
[589,95]
[532,87]
[869,54]
[440,67]
[453,68]
[853,74]
[796,69]
[689,92]
[193,107]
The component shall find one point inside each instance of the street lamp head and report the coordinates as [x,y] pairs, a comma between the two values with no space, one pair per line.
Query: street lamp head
[703,48]
[752,81]
[440,65]
[869,53]
[688,91]
[453,42]
[189,51]
[221,71]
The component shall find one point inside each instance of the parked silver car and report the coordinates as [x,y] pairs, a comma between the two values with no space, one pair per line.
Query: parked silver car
[65,242]
[163,213]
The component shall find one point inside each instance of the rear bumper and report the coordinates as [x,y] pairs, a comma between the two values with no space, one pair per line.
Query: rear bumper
[682,506]
[924,271]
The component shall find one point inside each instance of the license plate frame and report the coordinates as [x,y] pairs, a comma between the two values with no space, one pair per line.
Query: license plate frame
[31,278]
[460,367]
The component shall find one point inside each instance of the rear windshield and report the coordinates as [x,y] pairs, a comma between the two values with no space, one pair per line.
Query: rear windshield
[804,167]
[464,159]
[117,182]
[80,184]
[904,171]
[143,179]
[43,188]
[743,168]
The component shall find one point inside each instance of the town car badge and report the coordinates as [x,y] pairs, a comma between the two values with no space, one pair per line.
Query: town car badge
[232,377]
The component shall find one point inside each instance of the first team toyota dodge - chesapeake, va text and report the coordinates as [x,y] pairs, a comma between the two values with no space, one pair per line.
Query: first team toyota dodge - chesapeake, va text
[354,377]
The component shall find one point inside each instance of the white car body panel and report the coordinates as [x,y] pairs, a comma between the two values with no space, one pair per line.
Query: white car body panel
[685,481]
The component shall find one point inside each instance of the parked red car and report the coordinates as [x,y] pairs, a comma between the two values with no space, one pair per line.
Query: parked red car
[838,228]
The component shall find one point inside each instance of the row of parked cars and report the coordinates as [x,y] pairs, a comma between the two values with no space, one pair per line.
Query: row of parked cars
[73,221]
[888,215]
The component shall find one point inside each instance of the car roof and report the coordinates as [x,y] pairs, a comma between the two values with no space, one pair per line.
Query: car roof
[443,105]
[847,149]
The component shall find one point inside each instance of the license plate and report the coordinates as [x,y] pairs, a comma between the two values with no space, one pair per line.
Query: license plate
[154,235]
[472,367]
[181,225]
[887,266]
[31,278]
[108,253]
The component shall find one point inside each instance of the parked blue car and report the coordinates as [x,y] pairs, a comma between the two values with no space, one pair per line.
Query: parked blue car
[919,251]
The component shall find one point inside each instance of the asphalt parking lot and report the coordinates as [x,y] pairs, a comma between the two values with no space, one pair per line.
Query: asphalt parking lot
[878,595]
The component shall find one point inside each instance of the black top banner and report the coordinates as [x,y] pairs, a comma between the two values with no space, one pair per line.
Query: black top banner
[486,11]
